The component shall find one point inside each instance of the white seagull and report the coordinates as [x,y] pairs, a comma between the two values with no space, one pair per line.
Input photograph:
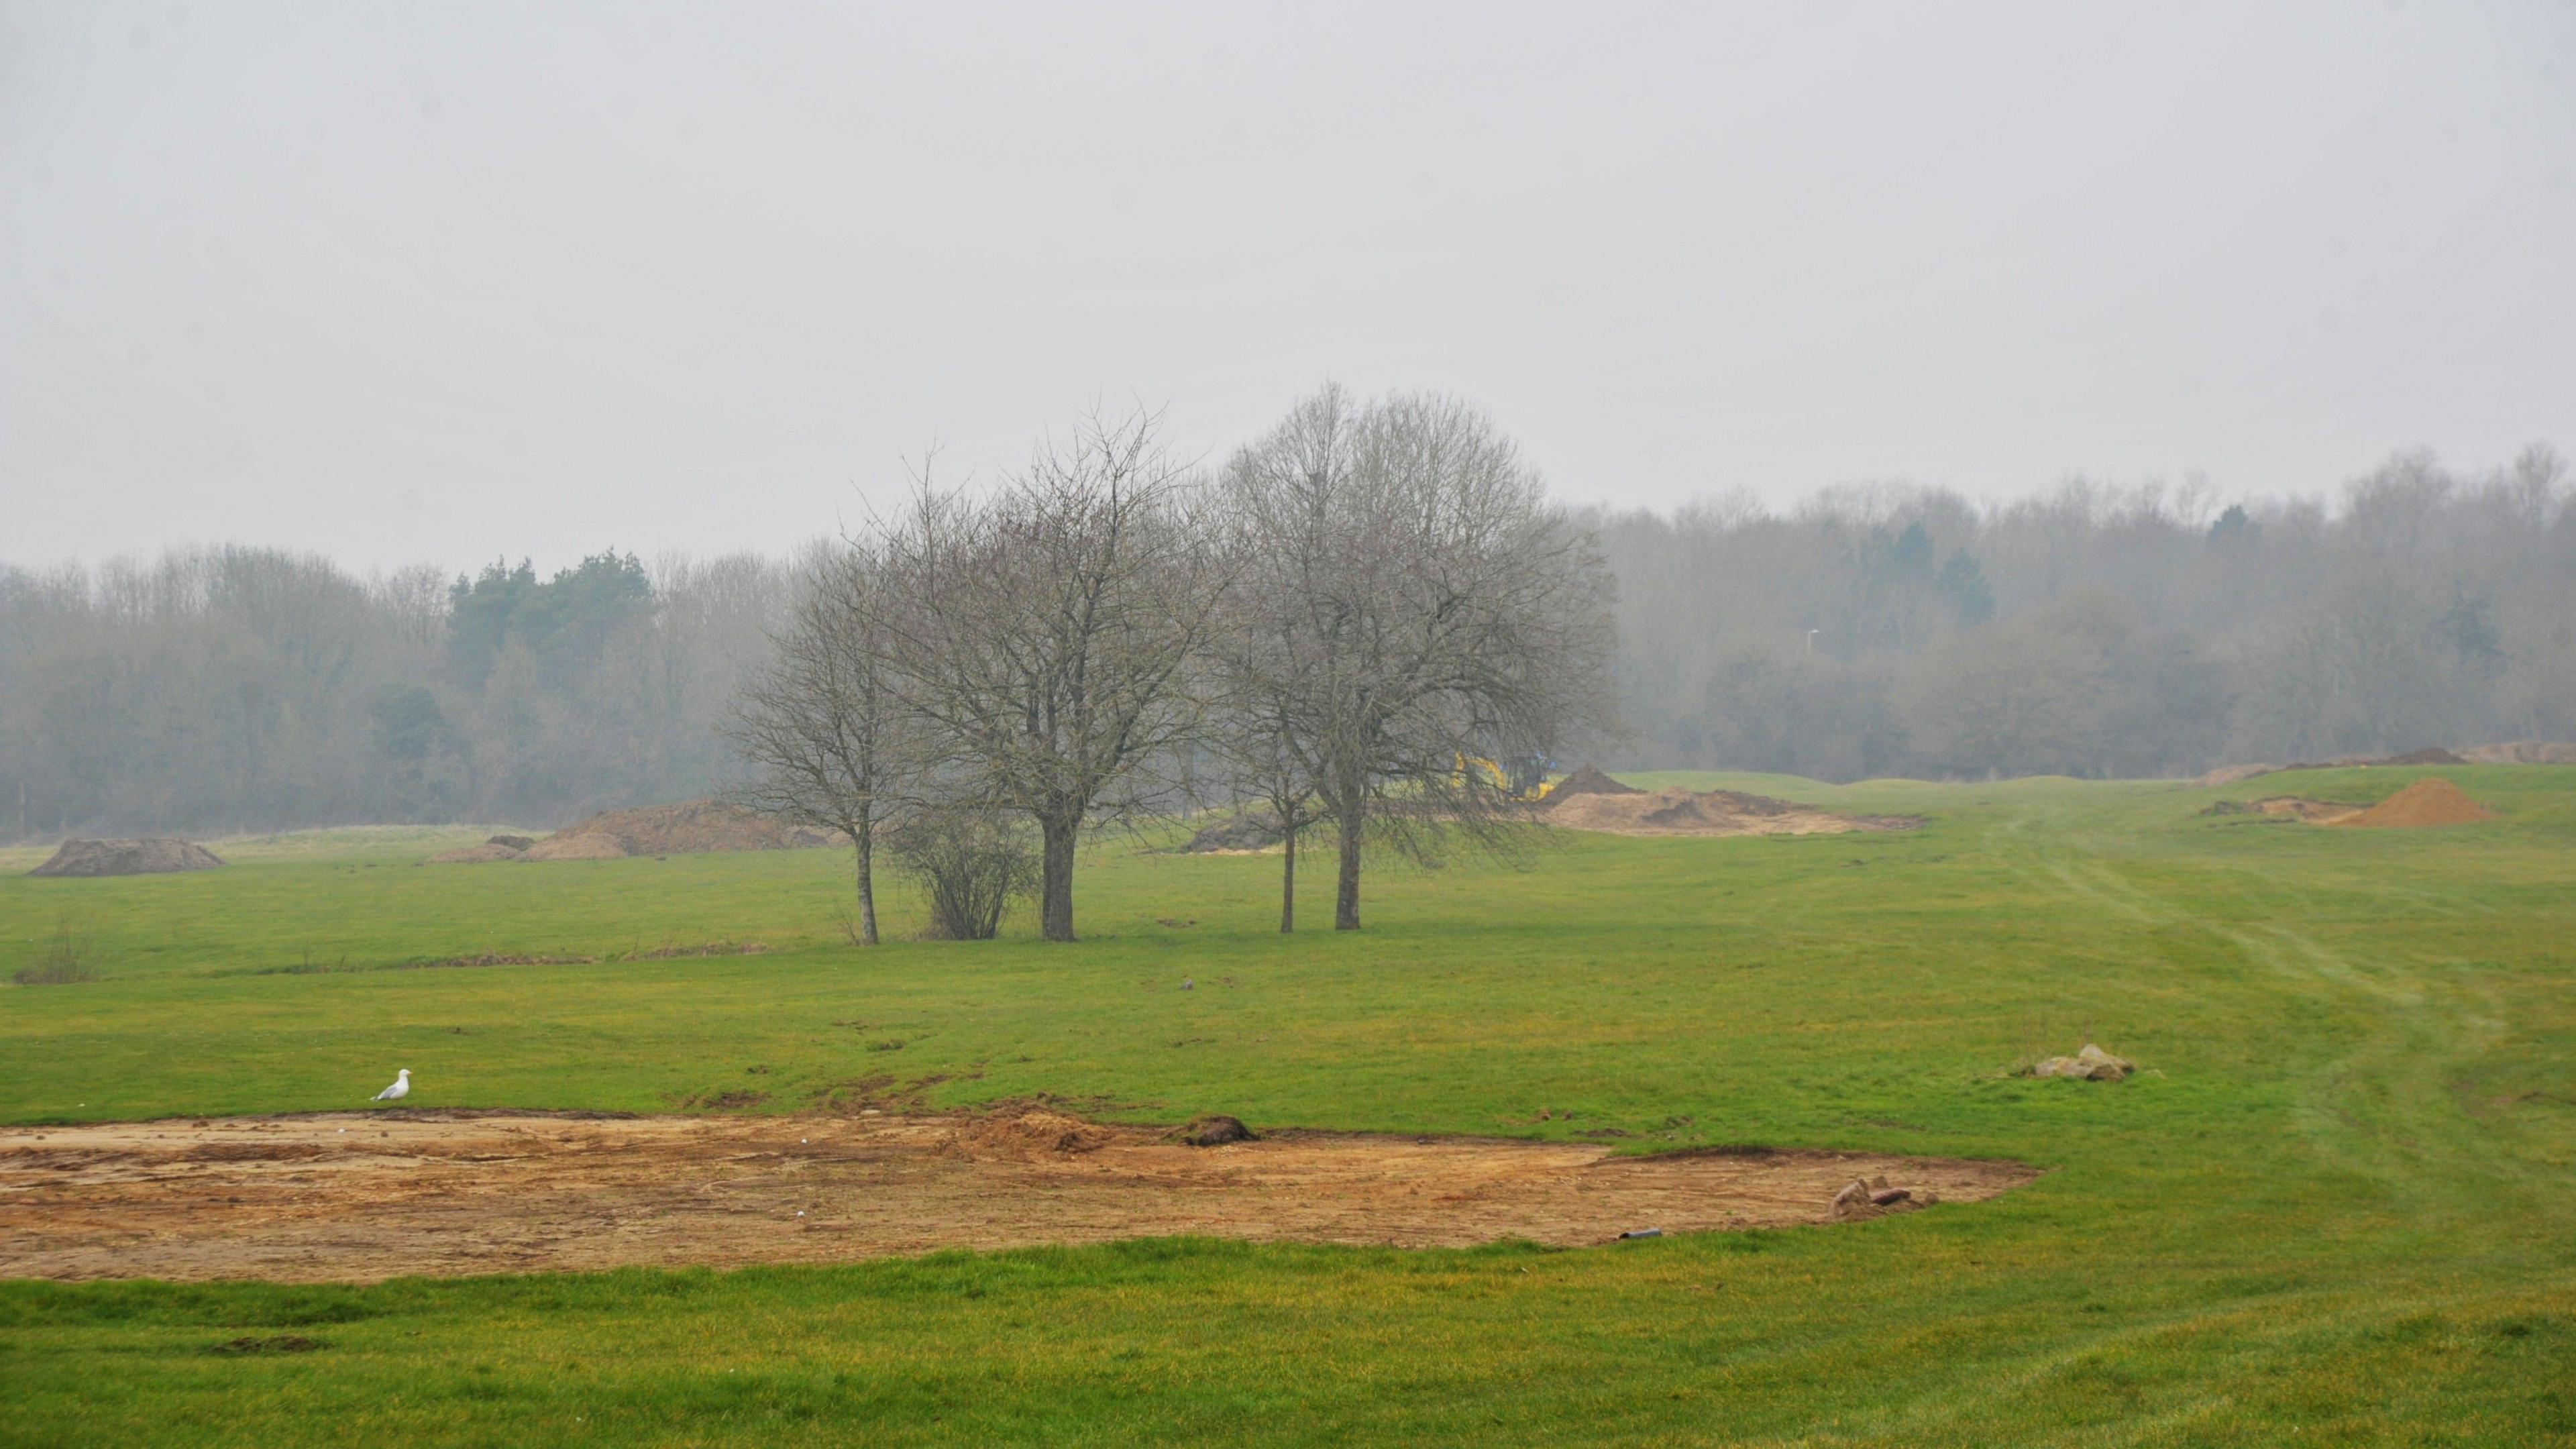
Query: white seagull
[400,1089]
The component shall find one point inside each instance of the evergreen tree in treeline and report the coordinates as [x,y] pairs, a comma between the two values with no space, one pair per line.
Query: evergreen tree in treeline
[244,688]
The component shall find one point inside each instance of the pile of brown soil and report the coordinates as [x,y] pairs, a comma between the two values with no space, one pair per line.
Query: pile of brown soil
[127,857]
[694,828]
[372,1195]
[499,847]
[1588,781]
[1707,812]
[2430,755]
[2521,752]
[2426,802]
[1014,1132]
[2288,807]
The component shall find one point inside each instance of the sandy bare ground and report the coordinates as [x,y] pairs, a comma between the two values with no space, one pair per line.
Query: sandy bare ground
[363,1196]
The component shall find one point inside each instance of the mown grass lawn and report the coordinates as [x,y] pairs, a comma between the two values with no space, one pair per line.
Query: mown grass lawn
[2338,1207]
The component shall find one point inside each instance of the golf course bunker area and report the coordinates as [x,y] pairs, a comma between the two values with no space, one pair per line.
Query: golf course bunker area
[363,1196]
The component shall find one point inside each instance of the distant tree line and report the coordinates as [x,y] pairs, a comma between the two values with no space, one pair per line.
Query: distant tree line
[243,689]
[2096,631]
[1874,631]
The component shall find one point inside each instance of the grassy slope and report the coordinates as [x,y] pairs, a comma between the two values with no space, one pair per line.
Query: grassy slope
[2340,1201]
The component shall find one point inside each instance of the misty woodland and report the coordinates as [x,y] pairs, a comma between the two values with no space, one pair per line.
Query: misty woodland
[1886,630]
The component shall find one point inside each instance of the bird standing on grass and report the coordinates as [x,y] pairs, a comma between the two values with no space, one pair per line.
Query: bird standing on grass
[399,1090]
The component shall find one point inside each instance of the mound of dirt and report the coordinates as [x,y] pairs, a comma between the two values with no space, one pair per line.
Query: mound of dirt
[2288,807]
[366,1196]
[1020,1132]
[1587,781]
[127,857]
[2226,775]
[478,854]
[697,827]
[1214,1130]
[2426,802]
[2521,752]
[2089,1065]
[1707,812]
[1251,830]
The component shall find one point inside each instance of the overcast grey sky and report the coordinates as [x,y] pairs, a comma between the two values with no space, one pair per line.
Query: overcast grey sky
[440,282]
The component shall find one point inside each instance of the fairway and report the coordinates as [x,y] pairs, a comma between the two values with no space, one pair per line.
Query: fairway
[2337,1204]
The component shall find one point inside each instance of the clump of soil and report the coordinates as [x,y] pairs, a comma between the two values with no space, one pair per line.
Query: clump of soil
[127,857]
[2426,802]
[1248,831]
[366,1196]
[1027,1131]
[2521,752]
[2089,1065]
[511,842]
[1588,781]
[2226,775]
[694,828]
[1214,1130]
[1706,812]
[1871,1197]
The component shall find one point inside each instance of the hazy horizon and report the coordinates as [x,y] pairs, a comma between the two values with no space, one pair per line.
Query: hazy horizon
[406,285]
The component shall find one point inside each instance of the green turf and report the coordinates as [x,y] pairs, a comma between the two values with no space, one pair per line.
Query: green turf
[2339,1206]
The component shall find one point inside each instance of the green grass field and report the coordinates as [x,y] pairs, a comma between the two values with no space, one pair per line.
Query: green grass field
[2338,1206]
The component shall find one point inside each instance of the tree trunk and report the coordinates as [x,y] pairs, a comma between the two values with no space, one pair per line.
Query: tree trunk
[1346,899]
[1288,887]
[1055,875]
[864,838]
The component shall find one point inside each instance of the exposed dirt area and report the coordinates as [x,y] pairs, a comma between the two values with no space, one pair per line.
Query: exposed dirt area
[2522,752]
[696,827]
[2289,807]
[363,1196]
[1704,812]
[2426,802]
[127,857]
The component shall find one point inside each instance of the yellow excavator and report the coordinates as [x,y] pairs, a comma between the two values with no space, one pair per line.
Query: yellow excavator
[1524,778]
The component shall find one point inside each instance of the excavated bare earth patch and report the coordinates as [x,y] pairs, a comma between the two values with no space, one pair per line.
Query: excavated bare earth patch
[364,1196]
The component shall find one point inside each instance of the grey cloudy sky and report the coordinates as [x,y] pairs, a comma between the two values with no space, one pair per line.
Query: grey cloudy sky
[440,282]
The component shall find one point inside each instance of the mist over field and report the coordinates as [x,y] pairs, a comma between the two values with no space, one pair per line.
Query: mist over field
[2093,631]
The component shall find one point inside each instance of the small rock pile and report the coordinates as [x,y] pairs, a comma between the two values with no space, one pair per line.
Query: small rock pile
[2089,1065]
[1871,1197]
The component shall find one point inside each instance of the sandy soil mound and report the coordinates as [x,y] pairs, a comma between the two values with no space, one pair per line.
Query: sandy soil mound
[2521,752]
[1588,781]
[694,828]
[365,1196]
[1708,812]
[1019,1132]
[127,857]
[2226,775]
[2426,802]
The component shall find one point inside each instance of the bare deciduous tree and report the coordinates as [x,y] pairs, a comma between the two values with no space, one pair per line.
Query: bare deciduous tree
[1409,604]
[820,724]
[1046,635]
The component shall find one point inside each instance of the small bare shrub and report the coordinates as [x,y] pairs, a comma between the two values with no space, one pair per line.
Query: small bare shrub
[970,864]
[69,957]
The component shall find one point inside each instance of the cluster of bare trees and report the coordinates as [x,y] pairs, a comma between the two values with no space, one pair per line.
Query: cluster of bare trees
[1354,606]
[2099,632]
